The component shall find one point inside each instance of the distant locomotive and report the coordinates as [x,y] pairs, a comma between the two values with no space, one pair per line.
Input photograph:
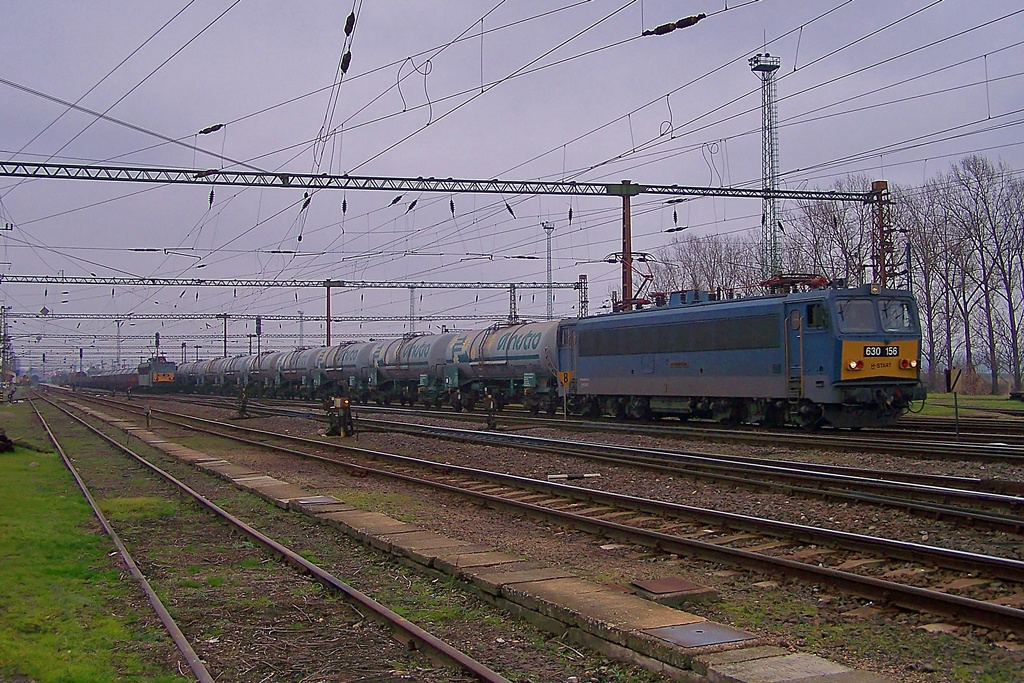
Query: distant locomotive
[845,357]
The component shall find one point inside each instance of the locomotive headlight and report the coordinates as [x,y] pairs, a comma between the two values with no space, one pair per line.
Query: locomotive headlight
[908,364]
[856,364]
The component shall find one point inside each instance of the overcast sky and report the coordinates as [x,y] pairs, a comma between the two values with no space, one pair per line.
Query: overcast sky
[893,89]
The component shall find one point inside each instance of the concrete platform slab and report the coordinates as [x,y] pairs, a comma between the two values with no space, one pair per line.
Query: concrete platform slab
[607,614]
[701,634]
[319,509]
[367,525]
[281,492]
[848,677]
[474,557]
[674,591]
[784,669]
[226,469]
[702,661]
[254,479]
[493,579]
[424,546]
[317,500]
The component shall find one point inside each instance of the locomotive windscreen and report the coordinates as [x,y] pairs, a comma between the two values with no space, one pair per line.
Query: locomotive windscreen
[730,334]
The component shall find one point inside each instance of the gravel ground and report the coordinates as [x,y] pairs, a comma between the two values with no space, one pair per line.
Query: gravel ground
[809,618]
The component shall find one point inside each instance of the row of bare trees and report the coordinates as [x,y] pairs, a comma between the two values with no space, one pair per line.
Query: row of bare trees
[959,247]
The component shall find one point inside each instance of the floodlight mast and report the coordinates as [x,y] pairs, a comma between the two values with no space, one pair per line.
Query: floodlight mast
[765,67]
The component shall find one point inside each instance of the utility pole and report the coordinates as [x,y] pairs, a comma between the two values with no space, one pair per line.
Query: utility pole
[6,350]
[882,247]
[549,228]
[627,189]
[412,309]
[225,317]
[119,323]
[302,340]
[328,284]
[765,67]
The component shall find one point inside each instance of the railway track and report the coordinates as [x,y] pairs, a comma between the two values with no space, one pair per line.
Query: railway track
[909,442]
[209,540]
[970,501]
[862,565]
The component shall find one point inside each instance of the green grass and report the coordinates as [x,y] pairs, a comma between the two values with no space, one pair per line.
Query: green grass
[63,616]
[398,506]
[136,509]
[970,406]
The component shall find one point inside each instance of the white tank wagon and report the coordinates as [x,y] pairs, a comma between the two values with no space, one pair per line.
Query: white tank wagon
[236,371]
[514,363]
[302,371]
[411,369]
[265,370]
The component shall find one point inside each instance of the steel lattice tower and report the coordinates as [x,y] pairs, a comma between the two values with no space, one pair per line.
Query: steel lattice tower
[765,67]
[549,228]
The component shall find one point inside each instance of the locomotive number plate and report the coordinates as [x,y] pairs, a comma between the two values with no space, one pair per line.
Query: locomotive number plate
[881,351]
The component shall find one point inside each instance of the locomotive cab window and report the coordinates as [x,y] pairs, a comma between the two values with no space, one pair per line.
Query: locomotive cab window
[897,316]
[817,317]
[856,315]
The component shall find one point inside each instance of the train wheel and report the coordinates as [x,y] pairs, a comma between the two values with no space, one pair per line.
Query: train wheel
[810,416]
[638,408]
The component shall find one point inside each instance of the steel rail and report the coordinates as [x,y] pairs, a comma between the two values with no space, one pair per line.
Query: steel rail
[932,486]
[180,641]
[719,467]
[893,443]
[396,621]
[787,469]
[977,612]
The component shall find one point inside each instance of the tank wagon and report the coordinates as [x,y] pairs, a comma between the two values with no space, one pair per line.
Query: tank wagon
[844,357]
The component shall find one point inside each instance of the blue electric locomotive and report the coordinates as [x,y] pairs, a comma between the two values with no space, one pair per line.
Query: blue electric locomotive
[846,357]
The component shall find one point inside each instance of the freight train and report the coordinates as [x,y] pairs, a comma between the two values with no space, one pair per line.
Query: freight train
[844,357]
[154,375]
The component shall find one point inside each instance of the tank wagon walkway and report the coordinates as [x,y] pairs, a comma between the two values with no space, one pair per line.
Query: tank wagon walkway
[628,627]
